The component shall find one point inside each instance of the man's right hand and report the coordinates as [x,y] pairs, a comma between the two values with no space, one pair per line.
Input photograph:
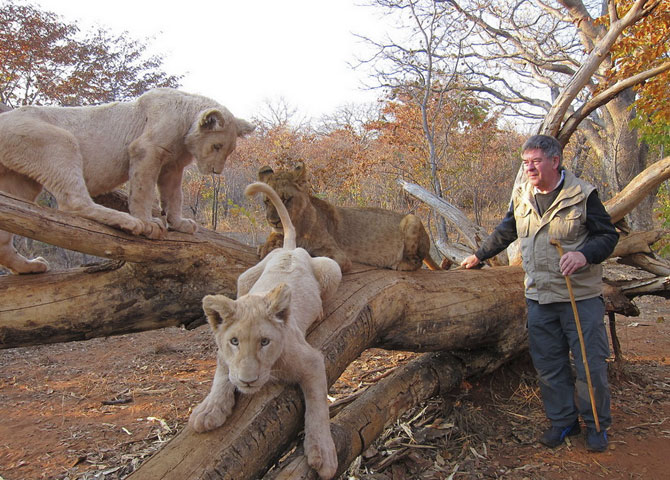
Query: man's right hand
[470,262]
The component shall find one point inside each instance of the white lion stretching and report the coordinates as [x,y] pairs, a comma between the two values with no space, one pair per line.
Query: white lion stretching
[80,152]
[261,336]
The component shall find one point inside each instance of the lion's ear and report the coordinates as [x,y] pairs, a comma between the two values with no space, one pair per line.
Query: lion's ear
[300,173]
[211,119]
[219,310]
[244,128]
[264,173]
[279,300]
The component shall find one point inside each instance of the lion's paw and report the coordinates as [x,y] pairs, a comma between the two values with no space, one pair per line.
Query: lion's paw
[185,225]
[321,454]
[155,229]
[209,415]
[36,265]
[132,225]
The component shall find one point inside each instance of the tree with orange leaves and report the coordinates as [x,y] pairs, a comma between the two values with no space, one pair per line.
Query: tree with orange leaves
[647,46]
[45,60]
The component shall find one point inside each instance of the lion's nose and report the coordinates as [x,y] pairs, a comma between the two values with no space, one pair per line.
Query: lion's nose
[249,381]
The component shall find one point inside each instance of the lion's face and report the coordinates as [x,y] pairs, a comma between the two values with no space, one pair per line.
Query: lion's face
[290,186]
[249,333]
[213,137]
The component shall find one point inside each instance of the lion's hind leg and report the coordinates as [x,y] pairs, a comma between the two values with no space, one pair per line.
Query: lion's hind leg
[63,176]
[328,274]
[52,158]
[26,188]
[416,243]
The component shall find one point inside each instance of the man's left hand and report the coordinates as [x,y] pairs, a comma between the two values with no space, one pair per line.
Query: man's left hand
[571,262]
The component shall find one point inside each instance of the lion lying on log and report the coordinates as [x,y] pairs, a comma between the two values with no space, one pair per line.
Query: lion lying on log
[372,236]
[80,152]
[261,335]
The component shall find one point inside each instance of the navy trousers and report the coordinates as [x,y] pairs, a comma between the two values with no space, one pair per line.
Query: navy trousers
[552,335]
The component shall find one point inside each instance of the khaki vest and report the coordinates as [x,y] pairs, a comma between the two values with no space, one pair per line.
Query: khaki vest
[564,220]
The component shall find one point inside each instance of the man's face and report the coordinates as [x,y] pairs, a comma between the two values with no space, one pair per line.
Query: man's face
[541,170]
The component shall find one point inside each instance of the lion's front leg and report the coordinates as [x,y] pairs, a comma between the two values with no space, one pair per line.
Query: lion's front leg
[169,188]
[215,409]
[145,165]
[319,446]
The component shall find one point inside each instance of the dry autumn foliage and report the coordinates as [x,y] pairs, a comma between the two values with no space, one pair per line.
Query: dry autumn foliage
[644,46]
[46,60]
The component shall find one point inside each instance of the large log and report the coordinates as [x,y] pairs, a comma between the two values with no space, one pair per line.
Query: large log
[414,311]
[637,242]
[151,284]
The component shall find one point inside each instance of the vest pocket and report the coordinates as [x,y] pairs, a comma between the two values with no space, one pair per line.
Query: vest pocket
[566,224]
[522,218]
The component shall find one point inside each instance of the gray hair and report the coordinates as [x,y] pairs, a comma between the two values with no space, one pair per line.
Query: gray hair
[548,144]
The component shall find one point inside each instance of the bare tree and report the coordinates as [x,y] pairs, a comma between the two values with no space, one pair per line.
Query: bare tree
[548,62]
[280,113]
[420,61]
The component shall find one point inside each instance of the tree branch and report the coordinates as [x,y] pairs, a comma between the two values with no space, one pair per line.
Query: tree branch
[641,186]
[603,98]
[73,232]
[600,52]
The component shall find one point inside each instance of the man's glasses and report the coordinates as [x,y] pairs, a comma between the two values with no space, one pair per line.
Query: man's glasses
[534,162]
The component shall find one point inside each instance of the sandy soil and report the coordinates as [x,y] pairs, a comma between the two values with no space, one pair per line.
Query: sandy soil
[96,409]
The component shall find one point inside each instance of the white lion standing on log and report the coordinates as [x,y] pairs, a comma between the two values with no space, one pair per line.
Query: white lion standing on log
[80,152]
[261,336]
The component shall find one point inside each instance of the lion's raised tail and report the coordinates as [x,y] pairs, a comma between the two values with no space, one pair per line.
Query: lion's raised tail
[287,224]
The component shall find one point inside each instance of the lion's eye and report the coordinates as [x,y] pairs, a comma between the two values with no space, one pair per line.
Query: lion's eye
[217,146]
[265,342]
[234,341]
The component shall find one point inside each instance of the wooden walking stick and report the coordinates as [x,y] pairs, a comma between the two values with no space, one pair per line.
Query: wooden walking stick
[557,244]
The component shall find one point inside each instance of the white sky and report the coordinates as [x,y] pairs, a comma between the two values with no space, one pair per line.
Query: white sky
[244,53]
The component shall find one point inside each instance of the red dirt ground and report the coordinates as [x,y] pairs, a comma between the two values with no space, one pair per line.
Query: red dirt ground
[96,409]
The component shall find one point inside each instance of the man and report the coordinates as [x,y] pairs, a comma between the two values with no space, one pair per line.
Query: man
[554,204]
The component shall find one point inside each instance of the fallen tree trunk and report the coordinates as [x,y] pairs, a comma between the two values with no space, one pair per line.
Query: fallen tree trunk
[418,311]
[151,284]
[138,290]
